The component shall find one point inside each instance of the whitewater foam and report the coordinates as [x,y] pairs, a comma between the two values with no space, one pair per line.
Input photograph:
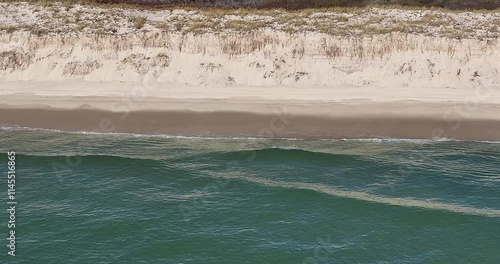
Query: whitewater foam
[395,201]
[375,140]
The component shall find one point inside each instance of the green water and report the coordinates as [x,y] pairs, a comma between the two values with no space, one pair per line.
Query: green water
[92,198]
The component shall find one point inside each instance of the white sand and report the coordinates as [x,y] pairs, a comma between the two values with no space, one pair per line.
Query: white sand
[310,72]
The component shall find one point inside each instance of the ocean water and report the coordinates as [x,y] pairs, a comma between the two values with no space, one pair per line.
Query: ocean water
[118,198]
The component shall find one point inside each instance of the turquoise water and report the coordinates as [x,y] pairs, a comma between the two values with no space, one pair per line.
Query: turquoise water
[93,198]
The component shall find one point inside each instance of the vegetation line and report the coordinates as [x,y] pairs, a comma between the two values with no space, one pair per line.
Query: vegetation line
[280,4]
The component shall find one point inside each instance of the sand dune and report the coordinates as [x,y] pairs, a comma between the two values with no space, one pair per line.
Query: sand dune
[156,69]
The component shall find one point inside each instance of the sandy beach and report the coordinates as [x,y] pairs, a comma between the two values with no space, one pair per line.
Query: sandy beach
[250,131]
[192,112]
[247,124]
[372,73]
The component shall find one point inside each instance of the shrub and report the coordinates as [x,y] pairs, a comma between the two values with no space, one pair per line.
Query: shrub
[139,22]
[8,29]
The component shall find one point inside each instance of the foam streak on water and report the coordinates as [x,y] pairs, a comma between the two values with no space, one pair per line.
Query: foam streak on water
[405,202]
[88,197]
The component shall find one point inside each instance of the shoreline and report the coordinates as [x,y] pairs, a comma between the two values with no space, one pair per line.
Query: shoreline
[377,73]
[257,112]
[286,124]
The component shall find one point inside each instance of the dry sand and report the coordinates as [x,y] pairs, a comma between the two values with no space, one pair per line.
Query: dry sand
[191,111]
[380,73]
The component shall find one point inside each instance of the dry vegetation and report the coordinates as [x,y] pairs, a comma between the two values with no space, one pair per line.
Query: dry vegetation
[139,22]
[282,4]
[66,17]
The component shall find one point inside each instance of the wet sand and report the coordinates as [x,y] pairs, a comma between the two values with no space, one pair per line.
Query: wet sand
[280,112]
[350,123]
